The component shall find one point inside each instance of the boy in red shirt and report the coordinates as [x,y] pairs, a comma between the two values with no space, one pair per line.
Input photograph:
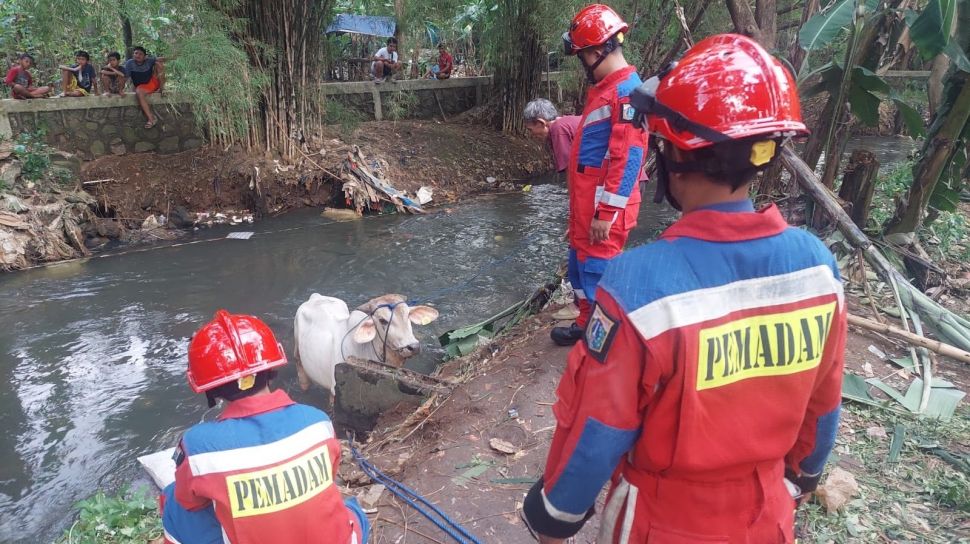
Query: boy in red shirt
[20,81]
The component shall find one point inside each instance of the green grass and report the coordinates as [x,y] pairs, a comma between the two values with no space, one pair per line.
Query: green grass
[920,498]
[131,517]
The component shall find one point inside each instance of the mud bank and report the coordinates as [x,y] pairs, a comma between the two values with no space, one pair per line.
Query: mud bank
[446,450]
[141,198]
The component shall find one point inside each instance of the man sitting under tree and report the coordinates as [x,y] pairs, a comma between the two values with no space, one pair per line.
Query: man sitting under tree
[80,78]
[147,74]
[20,81]
[385,62]
[113,76]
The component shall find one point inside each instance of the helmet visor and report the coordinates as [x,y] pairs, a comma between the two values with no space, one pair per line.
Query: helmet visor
[567,44]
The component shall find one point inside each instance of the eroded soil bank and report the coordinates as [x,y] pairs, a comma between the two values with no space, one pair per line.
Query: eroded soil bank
[147,197]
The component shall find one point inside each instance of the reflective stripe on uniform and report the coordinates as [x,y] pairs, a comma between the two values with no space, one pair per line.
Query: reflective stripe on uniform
[702,305]
[613,199]
[559,514]
[262,455]
[603,112]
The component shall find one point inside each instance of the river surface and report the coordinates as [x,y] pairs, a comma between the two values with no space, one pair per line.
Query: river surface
[93,353]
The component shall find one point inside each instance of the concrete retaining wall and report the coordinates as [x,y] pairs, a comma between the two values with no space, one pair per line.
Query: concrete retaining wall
[94,126]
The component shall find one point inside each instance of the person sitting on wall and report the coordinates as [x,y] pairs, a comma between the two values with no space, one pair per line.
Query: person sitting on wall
[147,75]
[385,62]
[80,78]
[113,76]
[20,81]
[445,65]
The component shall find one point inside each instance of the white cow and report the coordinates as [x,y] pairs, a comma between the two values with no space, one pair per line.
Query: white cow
[327,333]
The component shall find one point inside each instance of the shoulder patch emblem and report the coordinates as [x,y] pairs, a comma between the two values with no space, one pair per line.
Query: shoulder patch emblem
[599,333]
[628,113]
[179,454]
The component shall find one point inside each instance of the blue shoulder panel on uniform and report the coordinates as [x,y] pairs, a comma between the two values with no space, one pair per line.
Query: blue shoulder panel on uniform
[250,431]
[670,267]
[594,142]
[631,173]
[590,465]
[626,87]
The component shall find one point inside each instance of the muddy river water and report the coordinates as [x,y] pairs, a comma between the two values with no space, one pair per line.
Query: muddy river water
[92,353]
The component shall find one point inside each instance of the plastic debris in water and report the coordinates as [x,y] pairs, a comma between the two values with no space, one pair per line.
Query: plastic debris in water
[242,235]
[513,413]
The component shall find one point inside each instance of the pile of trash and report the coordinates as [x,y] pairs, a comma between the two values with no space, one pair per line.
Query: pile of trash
[41,220]
[366,187]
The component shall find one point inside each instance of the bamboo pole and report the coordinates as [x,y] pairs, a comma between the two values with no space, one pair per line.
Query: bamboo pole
[914,339]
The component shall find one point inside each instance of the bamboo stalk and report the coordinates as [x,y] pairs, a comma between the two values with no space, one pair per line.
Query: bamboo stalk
[914,339]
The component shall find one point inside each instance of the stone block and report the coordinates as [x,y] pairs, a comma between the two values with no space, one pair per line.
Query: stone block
[109,129]
[118,147]
[169,145]
[142,147]
[129,135]
[192,143]
[91,125]
[97,148]
[97,114]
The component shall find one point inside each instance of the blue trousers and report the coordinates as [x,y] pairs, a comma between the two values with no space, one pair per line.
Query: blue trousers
[202,527]
[584,277]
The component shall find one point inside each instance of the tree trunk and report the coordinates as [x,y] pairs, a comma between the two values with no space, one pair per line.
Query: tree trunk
[518,72]
[941,145]
[126,33]
[941,64]
[766,13]
[744,20]
[859,184]
[282,39]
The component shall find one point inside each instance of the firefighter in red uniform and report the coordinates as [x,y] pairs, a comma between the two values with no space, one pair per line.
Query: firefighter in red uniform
[708,386]
[264,470]
[606,160]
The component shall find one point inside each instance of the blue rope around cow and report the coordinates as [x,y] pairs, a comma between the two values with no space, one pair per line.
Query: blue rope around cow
[414,500]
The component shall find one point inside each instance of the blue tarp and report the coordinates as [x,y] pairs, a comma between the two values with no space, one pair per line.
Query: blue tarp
[362,24]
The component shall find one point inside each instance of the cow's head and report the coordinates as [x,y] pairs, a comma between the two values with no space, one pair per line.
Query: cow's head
[388,326]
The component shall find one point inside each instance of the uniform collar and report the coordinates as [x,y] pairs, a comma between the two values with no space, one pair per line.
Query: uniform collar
[612,79]
[731,225]
[743,205]
[250,406]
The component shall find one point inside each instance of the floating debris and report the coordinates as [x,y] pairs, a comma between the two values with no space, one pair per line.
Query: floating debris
[241,235]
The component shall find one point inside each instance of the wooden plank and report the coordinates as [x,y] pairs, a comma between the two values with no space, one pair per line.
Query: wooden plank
[912,74]
[410,378]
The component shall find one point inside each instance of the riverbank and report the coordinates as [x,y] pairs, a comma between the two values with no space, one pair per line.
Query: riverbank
[146,197]
[448,452]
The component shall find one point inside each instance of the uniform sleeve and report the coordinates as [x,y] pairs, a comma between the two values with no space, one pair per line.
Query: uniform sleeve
[598,419]
[626,154]
[185,482]
[816,438]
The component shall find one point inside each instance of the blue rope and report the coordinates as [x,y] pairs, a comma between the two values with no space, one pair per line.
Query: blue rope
[412,498]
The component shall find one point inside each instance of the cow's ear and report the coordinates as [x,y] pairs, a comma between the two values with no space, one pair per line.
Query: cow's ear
[365,332]
[422,315]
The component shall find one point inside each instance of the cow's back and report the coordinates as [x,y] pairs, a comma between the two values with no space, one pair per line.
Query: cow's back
[318,329]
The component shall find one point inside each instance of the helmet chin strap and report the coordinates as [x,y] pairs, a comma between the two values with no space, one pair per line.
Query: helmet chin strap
[611,45]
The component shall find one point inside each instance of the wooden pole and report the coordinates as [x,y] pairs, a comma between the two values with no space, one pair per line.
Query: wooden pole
[914,339]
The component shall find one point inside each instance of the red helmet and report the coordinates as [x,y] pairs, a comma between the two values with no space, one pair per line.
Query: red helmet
[229,347]
[729,84]
[593,25]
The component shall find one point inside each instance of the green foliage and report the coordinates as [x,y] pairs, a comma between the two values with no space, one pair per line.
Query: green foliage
[949,233]
[889,187]
[930,29]
[217,75]
[127,518]
[398,105]
[34,155]
[823,28]
[348,119]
